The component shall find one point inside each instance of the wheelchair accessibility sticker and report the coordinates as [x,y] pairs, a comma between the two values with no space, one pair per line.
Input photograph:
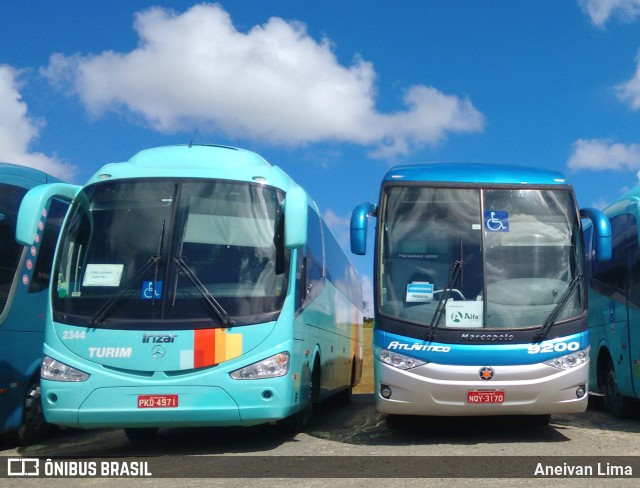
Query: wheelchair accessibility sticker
[149,291]
[496,221]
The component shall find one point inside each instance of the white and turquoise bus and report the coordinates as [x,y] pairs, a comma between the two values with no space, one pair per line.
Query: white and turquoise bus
[25,273]
[480,301]
[194,286]
[614,310]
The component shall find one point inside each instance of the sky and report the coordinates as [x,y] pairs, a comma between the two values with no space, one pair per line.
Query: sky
[335,93]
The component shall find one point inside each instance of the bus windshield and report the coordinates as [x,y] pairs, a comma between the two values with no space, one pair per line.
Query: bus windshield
[500,258]
[160,250]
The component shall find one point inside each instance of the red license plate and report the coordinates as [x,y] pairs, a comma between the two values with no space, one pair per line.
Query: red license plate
[485,396]
[157,401]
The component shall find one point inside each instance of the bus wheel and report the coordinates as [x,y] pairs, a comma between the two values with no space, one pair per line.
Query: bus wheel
[34,428]
[298,421]
[144,434]
[614,401]
[345,397]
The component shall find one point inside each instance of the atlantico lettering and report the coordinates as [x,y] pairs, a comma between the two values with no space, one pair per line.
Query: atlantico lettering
[418,347]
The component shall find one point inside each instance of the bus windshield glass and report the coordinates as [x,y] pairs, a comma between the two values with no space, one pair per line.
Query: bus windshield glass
[135,251]
[499,258]
[10,198]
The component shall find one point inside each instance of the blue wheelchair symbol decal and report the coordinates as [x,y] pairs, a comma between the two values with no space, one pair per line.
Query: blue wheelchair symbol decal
[148,292]
[496,221]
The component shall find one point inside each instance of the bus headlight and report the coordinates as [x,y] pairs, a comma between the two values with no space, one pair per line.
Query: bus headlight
[54,370]
[271,367]
[396,360]
[570,360]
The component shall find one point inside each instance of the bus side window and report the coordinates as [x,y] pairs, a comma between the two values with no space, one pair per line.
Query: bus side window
[44,262]
[313,259]
[613,273]
[634,265]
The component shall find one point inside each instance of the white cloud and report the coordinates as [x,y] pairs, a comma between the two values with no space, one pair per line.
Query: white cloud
[630,91]
[602,154]
[601,11]
[18,130]
[273,83]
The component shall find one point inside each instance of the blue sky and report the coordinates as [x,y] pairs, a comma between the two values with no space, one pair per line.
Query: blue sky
[333,92]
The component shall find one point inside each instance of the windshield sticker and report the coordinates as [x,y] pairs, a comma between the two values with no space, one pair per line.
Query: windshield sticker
[496,221]
[466,314]
[149,291]
[419,291]
[103,275]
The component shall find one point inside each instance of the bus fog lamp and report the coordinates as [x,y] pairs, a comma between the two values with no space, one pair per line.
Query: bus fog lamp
[271,367]
[581,391]
[54,370]
[385,391]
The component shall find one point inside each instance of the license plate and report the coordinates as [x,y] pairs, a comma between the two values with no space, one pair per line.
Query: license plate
[485,396]
[157,401]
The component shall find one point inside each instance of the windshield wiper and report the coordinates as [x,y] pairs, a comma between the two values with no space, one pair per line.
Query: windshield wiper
[553,316]
[103,312]
[208,297]
[456,268]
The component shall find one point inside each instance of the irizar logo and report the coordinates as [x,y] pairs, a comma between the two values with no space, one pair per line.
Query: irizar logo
[158,338]
[395,345]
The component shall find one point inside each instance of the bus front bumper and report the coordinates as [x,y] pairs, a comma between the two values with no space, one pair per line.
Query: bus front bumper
[439,390]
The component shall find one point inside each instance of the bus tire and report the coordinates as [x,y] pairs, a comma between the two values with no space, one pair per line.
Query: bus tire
[345,397]
[299,421]
[141,434]
[615,403]
[34,428]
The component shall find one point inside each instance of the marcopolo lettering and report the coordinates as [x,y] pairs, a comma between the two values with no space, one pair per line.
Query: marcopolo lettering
[417,347]
[486,337]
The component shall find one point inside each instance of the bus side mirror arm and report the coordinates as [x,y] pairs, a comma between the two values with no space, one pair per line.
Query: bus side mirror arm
[359,222]
[34,202]
[601,230]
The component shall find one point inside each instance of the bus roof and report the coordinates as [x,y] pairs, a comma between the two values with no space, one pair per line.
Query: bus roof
[475,173]
[24,176]
[196,161]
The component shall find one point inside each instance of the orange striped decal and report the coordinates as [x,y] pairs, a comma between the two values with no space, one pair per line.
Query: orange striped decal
[213,346]
[204,341]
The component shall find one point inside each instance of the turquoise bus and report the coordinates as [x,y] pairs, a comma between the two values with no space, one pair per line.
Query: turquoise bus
[480,301]
[194,286]
[24,280]
[614,310]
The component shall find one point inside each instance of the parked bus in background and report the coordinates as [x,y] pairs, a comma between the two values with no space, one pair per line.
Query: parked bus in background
[614,310]
[479,295]
[194,286]
[24,278]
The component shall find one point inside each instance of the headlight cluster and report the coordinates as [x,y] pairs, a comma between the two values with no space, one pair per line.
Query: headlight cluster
[54,370]
[271,367]
[396,360]
[570,360]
